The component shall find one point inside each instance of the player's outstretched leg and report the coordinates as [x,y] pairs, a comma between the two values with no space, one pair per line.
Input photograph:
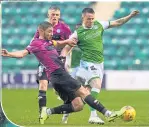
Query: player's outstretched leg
[111,116]
[66,108]
[94,118]
[62,109]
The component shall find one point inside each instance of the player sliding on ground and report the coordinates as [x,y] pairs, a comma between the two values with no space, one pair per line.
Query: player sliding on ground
[67,87]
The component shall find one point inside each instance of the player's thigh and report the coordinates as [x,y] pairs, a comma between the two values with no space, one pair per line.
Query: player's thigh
[73,99]
[100,68]
[82,92]
[73,71]
[65,83]
[82,75]
[66,97]
[41,74]
[69,83]
[90,71]
[96,77]
[63,96]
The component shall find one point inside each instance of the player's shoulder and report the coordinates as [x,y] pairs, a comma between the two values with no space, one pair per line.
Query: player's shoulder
[97,22]
[64,24]
[36,41]
[80,28]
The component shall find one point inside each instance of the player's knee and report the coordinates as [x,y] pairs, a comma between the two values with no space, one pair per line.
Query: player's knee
[95,83]
[43,85]
[79,107]
[77,104]
[82,92]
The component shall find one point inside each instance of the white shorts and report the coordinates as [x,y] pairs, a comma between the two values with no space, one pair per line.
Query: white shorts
[81,78]
[73,72]
[89,70]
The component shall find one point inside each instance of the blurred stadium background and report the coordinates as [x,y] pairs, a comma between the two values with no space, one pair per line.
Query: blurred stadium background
[126,48]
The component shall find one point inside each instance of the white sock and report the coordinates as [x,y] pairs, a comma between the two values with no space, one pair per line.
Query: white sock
[49,111]
[108,113]
[93,113]
[65,115]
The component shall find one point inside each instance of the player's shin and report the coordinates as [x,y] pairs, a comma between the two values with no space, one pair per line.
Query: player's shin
[85,94]
[41,99]
[62,109]
[94,93]
[95,104]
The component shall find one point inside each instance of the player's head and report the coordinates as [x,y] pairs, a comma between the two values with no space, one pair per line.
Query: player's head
[88,17]
[54,15]
[45,30]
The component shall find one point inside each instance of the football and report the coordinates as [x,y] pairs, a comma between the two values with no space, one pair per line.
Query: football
[129,113]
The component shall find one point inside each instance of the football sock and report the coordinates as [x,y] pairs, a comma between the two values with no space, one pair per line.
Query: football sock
[94,93]
[62,109]
[95,104]
[108,113]
[41,99]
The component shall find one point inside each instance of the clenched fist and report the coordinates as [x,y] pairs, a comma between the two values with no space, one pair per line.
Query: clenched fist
[4,52]
[134,13]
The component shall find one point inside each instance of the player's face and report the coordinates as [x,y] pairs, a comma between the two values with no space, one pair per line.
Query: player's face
[54,16]
[48,33]
[88,19]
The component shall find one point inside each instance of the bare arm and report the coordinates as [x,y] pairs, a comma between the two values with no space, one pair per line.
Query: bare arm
[66,50]
[71,42]
[123,20]
[16,54]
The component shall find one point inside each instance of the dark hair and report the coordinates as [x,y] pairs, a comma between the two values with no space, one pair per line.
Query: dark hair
[54,8]
[88,10]
[44,25]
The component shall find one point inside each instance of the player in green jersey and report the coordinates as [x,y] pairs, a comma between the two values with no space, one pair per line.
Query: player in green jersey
[89,37]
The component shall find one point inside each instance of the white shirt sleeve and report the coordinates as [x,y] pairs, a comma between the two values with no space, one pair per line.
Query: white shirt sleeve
[105,24]
[74,35]
[68,59]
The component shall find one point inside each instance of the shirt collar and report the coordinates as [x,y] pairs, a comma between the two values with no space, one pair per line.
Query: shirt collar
[86,27]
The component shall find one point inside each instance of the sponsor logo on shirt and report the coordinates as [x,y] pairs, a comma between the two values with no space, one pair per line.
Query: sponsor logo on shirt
[58,30]
[95,27]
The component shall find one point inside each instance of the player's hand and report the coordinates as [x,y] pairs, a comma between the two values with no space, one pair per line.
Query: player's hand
[72,42]
[4,52]
[134,13]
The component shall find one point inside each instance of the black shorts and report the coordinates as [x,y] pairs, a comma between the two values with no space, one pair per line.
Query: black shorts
[41,74]
[65,85]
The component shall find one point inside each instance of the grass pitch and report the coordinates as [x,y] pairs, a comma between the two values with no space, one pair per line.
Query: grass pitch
[21,107]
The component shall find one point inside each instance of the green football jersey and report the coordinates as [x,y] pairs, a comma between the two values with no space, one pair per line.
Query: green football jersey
[90,43]
[75,57]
